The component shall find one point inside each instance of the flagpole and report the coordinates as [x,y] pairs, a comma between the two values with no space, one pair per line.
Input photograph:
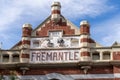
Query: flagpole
[0,45]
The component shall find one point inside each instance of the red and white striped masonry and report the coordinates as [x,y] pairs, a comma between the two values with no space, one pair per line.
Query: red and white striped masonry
[85,41]
[26,33]
[55,11]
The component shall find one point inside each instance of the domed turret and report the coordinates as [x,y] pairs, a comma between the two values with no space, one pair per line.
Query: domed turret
[84,27]
[26,30]
[27,25]
[84,22]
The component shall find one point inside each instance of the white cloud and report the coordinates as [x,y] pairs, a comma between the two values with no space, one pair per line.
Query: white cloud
[14,12]
[81,8]
[16,9]
[109,29]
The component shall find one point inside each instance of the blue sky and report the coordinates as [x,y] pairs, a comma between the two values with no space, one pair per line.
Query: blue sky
[103,16]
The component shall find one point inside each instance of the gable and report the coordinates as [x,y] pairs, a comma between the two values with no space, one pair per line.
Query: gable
[48,25]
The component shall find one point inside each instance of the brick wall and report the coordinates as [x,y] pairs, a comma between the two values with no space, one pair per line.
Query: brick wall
[59,26]
[65,70]
[116,55]
[116,69]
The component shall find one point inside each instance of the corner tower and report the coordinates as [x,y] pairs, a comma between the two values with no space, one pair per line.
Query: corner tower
[85,40]
[25,47]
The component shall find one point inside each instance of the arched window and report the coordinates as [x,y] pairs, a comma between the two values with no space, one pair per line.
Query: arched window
[106,55]
[15,58]
[5,58]
[95,55]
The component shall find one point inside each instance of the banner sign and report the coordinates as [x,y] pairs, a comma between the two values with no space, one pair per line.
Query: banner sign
[54,56]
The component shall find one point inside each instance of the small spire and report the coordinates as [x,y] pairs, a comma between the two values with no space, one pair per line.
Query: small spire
[116,44]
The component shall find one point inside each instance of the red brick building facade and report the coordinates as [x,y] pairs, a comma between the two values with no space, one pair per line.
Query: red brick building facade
[58,50]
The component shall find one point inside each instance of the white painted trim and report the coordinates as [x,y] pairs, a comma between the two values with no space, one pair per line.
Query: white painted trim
[25,38]
[117,75]
[84,36]
[55,8]
[85,49]
[92,76]
[85,58]
[84,44]
[67,77]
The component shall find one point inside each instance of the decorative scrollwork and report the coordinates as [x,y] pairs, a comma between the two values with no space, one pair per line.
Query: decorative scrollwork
[61,42]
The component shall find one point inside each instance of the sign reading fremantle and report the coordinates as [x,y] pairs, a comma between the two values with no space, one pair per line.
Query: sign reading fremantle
[54,56]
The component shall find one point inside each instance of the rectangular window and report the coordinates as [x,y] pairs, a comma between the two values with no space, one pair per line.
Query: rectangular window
[15,58]
[55,34]
[74,42]
[96,56]
[106,56]
[5,58]
[36,43]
